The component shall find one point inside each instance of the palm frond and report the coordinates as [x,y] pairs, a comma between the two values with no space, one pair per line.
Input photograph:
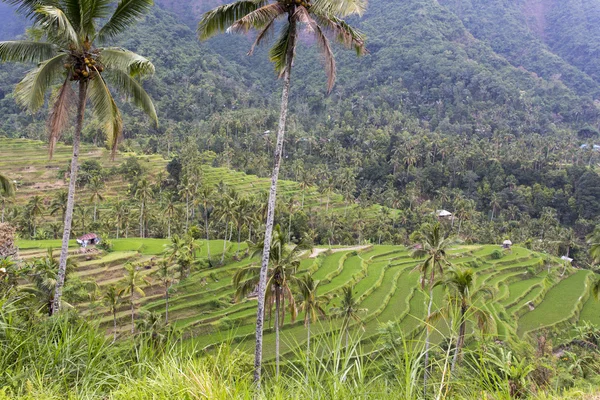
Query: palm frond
[31,90]
[28,7]
[95,9]
[53,19]
[258,19]
[59,116]
[339,8]
[26,51]
[134,92]
[127,61]
[279,52]
[221,18]
[344,33]
[262,35]
[106,111]
[126,12]
[323,43]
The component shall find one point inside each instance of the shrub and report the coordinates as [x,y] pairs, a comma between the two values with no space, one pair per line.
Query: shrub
[497,254]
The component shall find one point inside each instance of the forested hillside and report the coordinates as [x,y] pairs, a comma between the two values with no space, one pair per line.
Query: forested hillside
[486,108]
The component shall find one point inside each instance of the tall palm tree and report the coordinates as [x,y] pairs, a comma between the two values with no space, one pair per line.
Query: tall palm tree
[131,285]
[35,208]
[319,16]
[96,186]
[69,55]
[433,245]
[206,208]
[311,304]
[348,309]
[284,261]
[59,203]
[112,299]
[166,278]
[594,241]
[460,285]
[143,194]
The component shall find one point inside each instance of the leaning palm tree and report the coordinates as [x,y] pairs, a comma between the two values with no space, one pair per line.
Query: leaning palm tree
[318,17]
[284,261]
[433,246]
[348,310]
[69,56]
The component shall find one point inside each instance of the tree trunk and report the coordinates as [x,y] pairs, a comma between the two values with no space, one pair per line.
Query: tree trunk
[64,251]
[207,238]
[262,285]
[166,305]
[114,324]
[427,343]
[277,305]
[224,243]
[142,220]
[95,208]
[290,229]
[461,337]
[132,316]
[237,253]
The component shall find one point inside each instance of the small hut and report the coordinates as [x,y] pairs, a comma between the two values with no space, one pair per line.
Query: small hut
[443,214]
[88,239]
[506,244]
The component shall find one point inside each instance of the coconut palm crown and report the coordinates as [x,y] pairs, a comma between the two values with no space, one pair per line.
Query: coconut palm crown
[318,17]
[64,33]
[63,47]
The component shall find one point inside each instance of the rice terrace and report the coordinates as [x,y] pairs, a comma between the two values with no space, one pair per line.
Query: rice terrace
[388,200]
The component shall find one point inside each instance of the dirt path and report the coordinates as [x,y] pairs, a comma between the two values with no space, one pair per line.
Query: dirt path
[316,251]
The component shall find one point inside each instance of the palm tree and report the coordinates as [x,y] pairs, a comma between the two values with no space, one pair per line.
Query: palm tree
[311,304]
[348,310]
[594,241]
[318,16]
[433,245]
[59,203]
[112,299]
[69,54]
[143,194]
[95,186]
[284,261]
[460,284]
[131,285]
[35,209]
[206,208]
[164,275]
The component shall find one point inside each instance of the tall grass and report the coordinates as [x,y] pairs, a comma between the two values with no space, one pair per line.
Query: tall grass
[66,357]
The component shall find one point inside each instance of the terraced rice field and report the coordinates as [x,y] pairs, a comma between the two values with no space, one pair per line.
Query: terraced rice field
[39,176]
[529,292]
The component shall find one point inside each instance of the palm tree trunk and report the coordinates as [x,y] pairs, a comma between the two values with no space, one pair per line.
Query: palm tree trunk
[290,229]
[95,208]
[237,253]
[132,315]
[142,220]
[114,324]
[427,343]
[461,337]
[166,305]
[64,251]
[224,243]
[262,285]
[277,305]
[207,238]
